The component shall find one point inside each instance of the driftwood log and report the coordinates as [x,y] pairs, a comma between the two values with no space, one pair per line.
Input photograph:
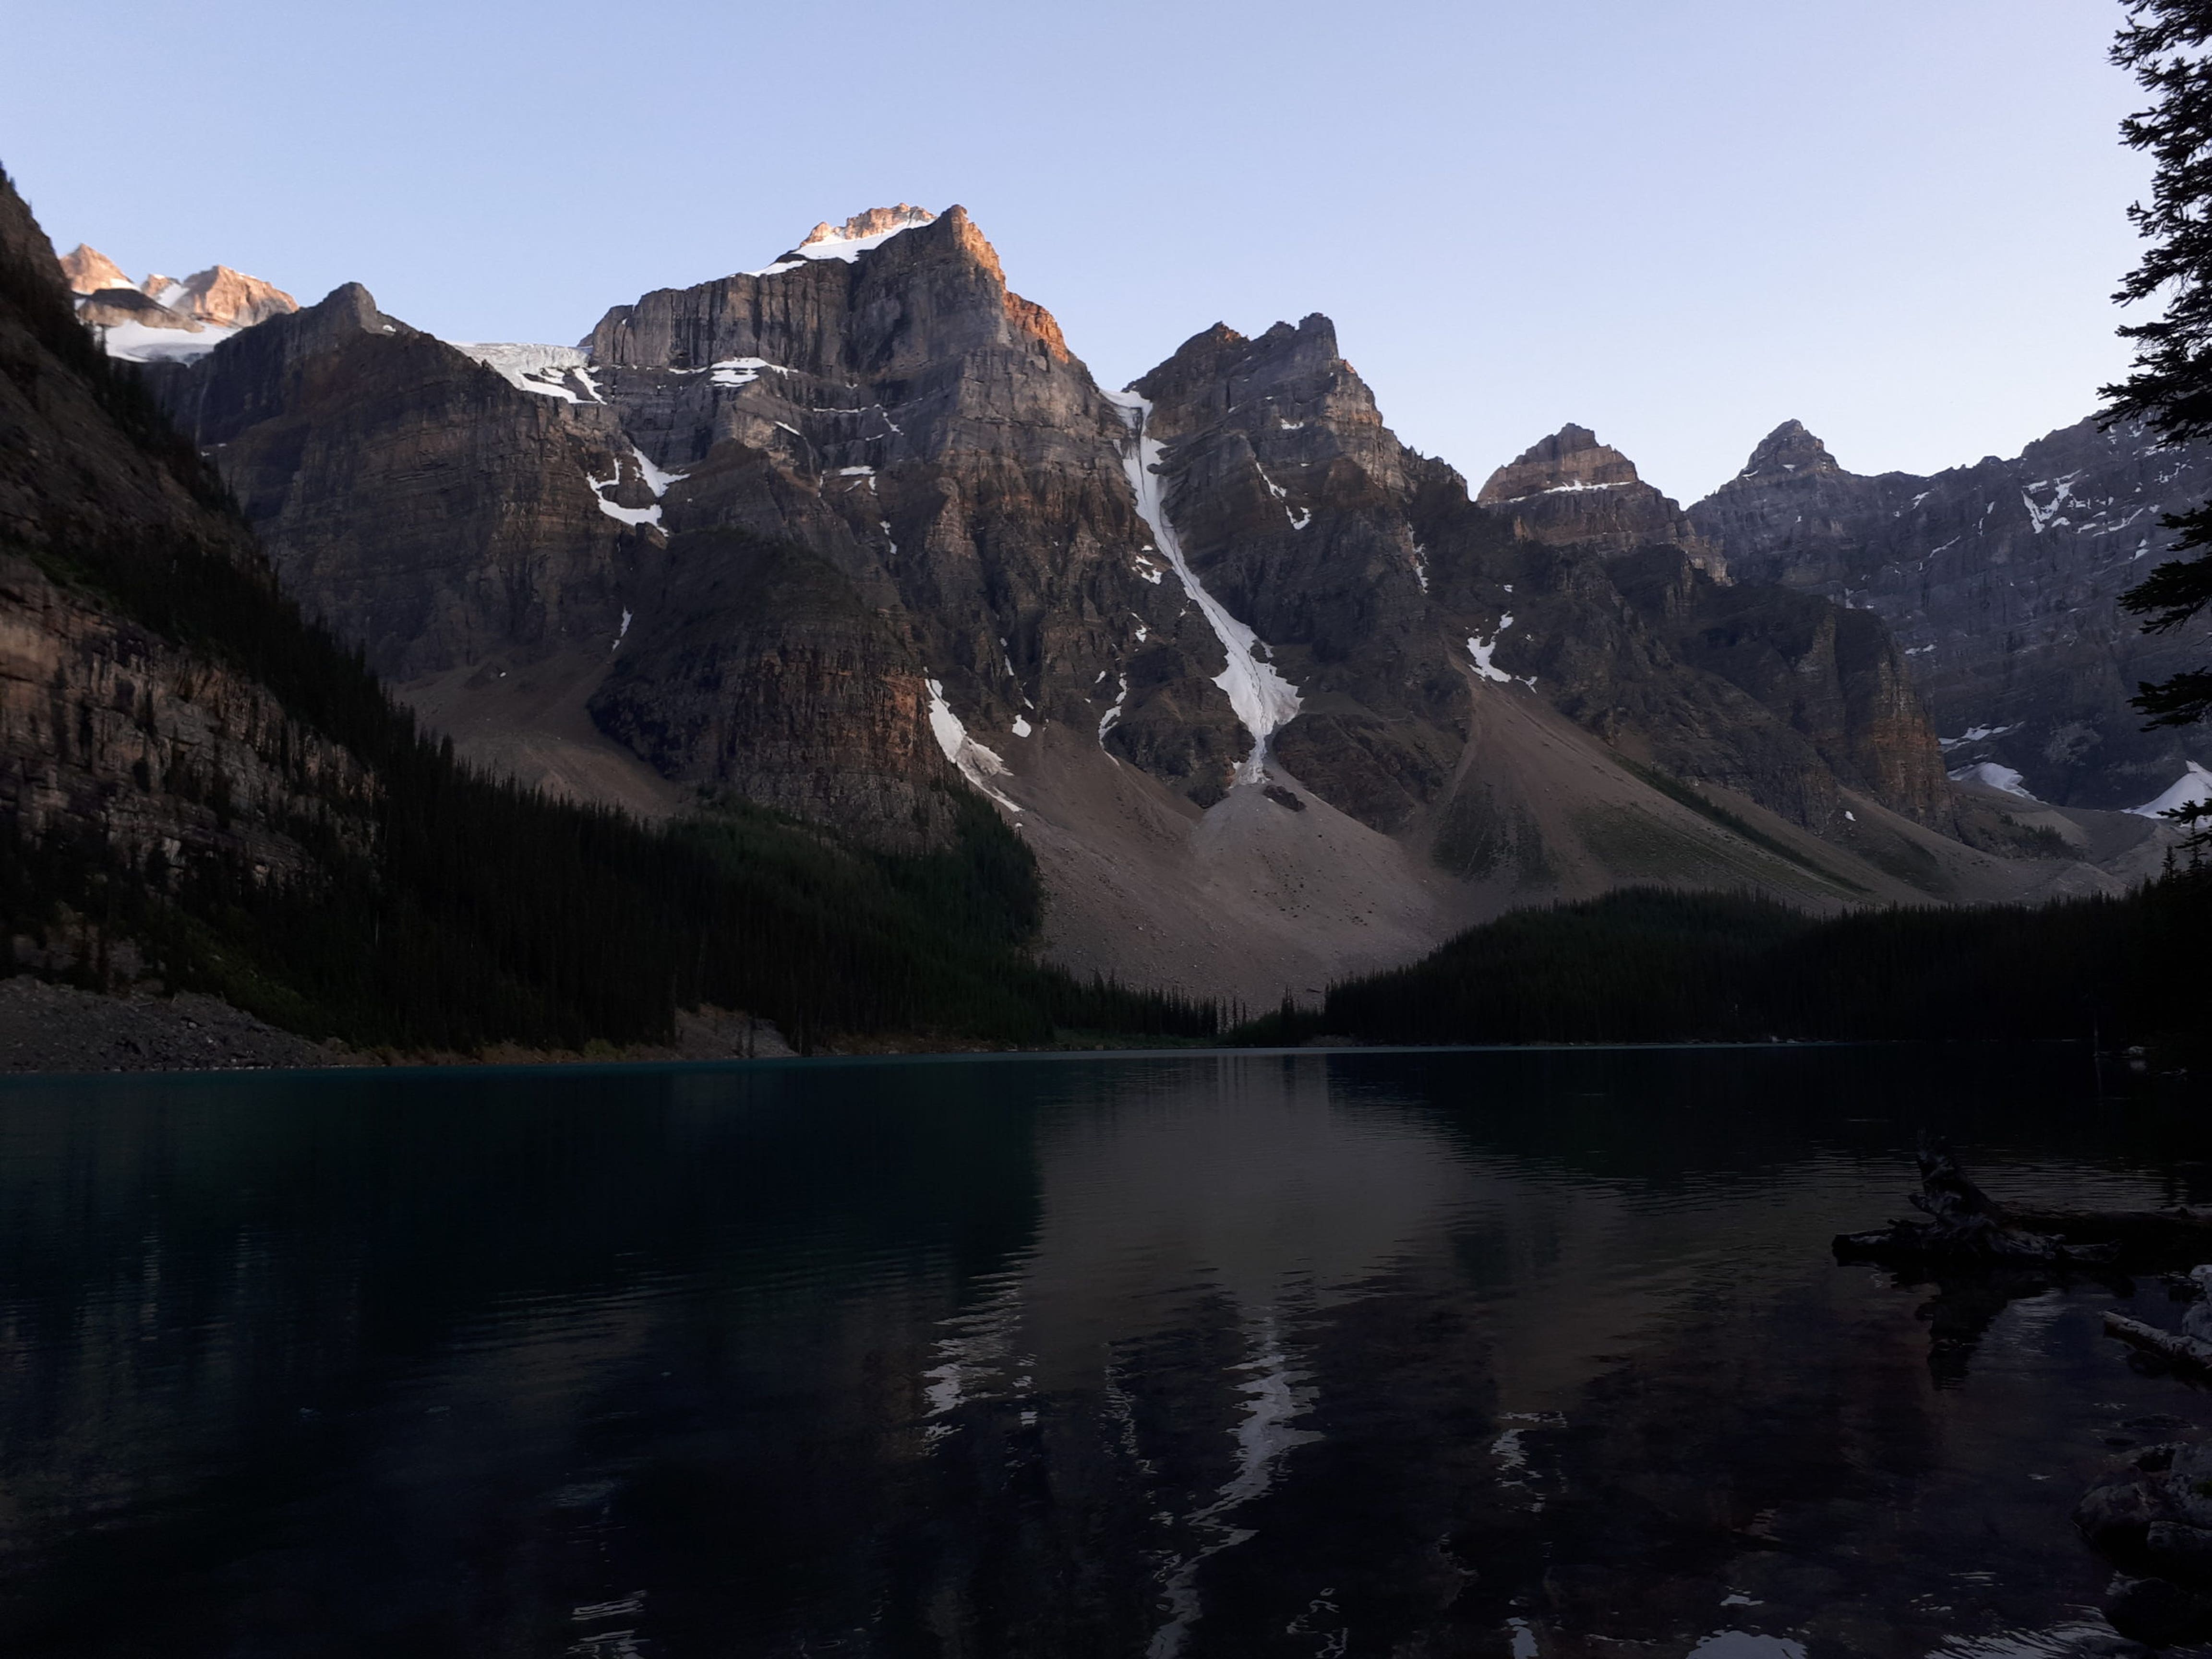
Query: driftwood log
[2145,1239]
[1962,1227]
[2178,1348]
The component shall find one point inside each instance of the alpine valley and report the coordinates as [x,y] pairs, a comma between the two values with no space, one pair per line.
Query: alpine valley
[1272,699]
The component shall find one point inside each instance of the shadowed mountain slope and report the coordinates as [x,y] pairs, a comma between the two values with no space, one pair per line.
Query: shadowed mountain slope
[1999,581]
[202,790]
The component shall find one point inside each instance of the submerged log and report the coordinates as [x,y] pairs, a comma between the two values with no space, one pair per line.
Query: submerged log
[1966,1228]
[2144,1237]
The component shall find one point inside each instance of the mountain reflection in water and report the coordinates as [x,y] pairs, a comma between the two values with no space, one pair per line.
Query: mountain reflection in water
[1424,1354]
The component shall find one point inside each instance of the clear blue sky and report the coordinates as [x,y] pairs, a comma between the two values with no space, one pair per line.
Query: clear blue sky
[1679,221]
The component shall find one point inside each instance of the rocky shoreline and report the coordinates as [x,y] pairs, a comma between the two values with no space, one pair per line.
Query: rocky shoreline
[50,1028]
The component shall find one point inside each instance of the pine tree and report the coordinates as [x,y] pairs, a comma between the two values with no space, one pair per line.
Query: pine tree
[2164,44]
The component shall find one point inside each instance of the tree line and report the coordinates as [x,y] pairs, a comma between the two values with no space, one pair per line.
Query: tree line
[1655,965]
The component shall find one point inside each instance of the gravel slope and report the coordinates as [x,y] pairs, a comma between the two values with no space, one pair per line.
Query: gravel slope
[58,1028]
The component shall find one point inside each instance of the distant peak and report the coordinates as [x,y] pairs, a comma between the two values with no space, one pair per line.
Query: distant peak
[861,234]
[88,270]
[1571,459]
[227,298]
[1789,448]
[875,222]
[1567,441]
[348,309]
[231,298]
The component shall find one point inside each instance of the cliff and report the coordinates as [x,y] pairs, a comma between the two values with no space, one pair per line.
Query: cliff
[121,744]
[1570,490]
[2000,582]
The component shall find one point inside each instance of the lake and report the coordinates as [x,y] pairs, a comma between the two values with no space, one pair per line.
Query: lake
[1511,1353]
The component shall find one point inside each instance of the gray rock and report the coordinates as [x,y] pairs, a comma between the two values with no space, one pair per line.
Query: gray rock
[1999,580]
[2117,1516]
[2157,1612]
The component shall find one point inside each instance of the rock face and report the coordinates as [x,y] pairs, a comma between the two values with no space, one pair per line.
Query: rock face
[2000,582]
[87,270]
[161,321]
[765,674]
[876,221]
[1368,574]
[113,307]
[1835,678]
[441,517]
[109,735]
[1288,496]
[113,738]
[925,432]
[1571,491]
[220,295]
[227,298]
[1739,686]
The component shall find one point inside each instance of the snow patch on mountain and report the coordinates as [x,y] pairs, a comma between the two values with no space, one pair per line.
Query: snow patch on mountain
[2193,788]
[861,234]
[1482,650]
[1976,734]
[1106,722]
[1991,776]
[630,515]
[743,371]
[970,758]
[1263,699]
[136,343]
[547,370]
[655,480]
[1299,519]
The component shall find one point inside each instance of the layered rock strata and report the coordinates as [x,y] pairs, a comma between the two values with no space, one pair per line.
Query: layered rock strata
[434,512]
[87,270]
[925,433]
[112,736]
[1571,491]
[2000,581]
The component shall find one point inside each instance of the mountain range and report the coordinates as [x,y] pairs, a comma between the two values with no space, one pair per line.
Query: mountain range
[1272,698]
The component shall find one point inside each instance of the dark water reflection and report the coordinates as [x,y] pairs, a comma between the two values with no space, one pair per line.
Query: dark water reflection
[1434,1354]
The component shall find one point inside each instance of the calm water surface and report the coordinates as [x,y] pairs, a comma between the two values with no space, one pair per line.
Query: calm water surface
[1509,1354]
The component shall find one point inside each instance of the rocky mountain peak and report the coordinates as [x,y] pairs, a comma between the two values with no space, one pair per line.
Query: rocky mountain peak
[1789,448]
[227,298]
[2000,580]
[875,222]
[261,367]
[346,312]
[1299,403]
[156,319]
[889,306]
[1571,459]
[220,295]
[1570,490]
[89,270]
